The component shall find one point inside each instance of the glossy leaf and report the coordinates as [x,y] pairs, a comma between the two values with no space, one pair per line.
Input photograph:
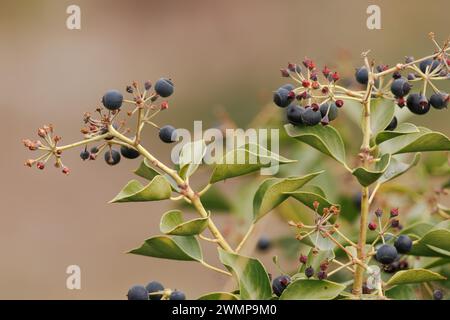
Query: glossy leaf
[272,192]
[397,168]
[417,230]
[325,139]
[414,276]
[171,247]
[368,176]
[218,296]
[435,243]
[381,113]
[402,292]
[190,157]
[244,160]
[424,140]
[253,280]
[312,289]
[402,129]
[308,198]
[172,223]
[157,189]
[146,171]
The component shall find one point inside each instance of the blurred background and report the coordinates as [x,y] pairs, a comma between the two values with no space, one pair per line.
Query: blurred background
[222,55]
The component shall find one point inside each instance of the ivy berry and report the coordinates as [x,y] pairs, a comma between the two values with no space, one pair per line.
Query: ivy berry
[84,155]
[282,97]
[280,283]
[294,114]
[400,87]
[311,117]
[309,272]
[386,254]
[439,100]
[137,293]
[429,64]
[154,286]
[329,109]
[164,87]
[112,157]
[167,134]
[438,295]
[112,100]
[263,243]
[392,125]
[129,153]
[403,244]
[417,103]
[177,295]
[362,75]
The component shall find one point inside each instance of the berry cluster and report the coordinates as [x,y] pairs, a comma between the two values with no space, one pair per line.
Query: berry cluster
[102,129]
[154,291]
[311,102]
[309,270]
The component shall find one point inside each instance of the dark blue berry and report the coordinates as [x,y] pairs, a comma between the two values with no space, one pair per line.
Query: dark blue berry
[112,100]
[177,295]
[386,254]
[280,283]
[329,108]
[309,272]
[167,134]
[281,97]
[362,75]
[322,275]
[288,87]
[164,87]
[311,117]
[439,100]
[84,155]
[129,153]
[403,244]
[417,103]
[154,286]
[94,150]
[263,243]
[294,114]
[392,125]
[438,295]
[112,157]
[129,89]
[431,64]
[137,293]
[400,87]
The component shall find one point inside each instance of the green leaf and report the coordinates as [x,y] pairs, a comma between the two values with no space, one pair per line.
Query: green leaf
[326,139]
[414,276]
[157,189]
[146,171]
[272,192]
[402,129]
[171,247]
[435,243]
[213,199]
[218,296]
[311,289]
[397,168]
[315,259]
[308,198]
[253,280]
[190,157]
[366,177]
[402,292]
[381,113]
[417,230]
[244,160]
[172,223]
[424,140]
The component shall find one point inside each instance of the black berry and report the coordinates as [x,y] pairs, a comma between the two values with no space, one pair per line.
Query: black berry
[177,295]
[280,283]
[137,293]
[129,153]
[392,125]
[154,286]
[164,87]
[167,134]
[263,243]
[84,155]
[322,275]
[439,100]
[112,157]
[288,87]
[112,100]
[294,114]
[94,150]
[417,103]
[362,75]
[386,254]
[400,87]
[282,98]
[311,117]
[438,295]
[329,108]
[309,272]
[403,244]
[430,64]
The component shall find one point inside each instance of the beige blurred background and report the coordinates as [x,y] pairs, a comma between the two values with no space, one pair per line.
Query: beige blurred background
[219,53]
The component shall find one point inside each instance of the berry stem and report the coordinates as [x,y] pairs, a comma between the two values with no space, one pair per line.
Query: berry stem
[245,238]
